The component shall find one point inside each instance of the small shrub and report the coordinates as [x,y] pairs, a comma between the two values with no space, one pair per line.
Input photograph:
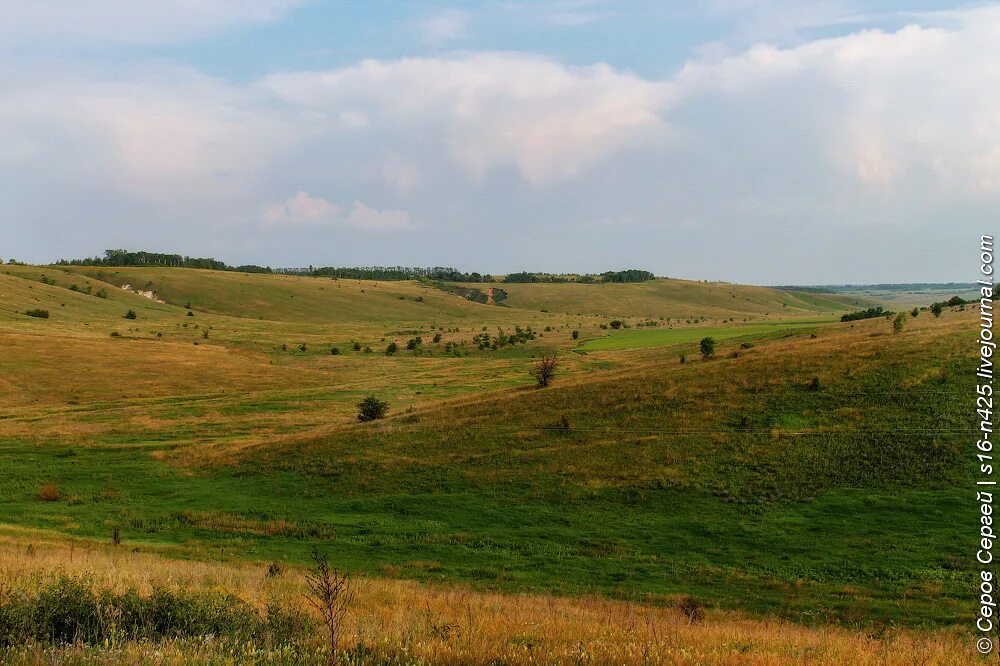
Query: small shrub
[437,338]
[274,570]
[616,324]
[391,349]
[898,323]
[116,536]
[356,346]
[693,609]
[371,409]
[545,370]
[915,312]
[116,334]
[575,335]
[49,493]
[330,593]
[102,293]
[302,347]
[814,384]
[707,347]
[937,309]
[190,314]
[39,313]
[334,351]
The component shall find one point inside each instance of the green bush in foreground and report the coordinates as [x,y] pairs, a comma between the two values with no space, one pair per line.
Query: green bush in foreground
[371,408]
[70,609]
[41,314]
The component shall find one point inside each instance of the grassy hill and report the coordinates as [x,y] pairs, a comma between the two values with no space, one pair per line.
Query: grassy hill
[676,299]
[812,469]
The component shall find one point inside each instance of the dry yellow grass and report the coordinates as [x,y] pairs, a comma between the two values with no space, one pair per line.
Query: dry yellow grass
[422,624]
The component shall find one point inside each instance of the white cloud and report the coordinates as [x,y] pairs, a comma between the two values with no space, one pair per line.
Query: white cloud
[886,107]
[306,209]
[370,219]
[493,110]
[874,126]
[300,209]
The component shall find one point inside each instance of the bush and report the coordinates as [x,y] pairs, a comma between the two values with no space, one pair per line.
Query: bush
[693,609]
[616,324]
[707,347]
[102,293]
[413,343]
[371,408]
[937,309]
[575,334]
[41,314]
[898,323]
[356,346]
[545,370]
[49,493]
[69,609]
[391,349]
[335,351]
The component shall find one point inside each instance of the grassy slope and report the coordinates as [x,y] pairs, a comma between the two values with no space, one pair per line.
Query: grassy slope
[654,489]
[674,299]
[400,622]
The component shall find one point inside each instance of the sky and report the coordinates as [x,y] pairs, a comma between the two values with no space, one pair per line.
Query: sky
[766,142]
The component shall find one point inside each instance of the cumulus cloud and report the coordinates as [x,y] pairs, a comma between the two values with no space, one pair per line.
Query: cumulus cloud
[300,209]
[371,219]
[874,126]
[493,110]
[306,209]
[882,106]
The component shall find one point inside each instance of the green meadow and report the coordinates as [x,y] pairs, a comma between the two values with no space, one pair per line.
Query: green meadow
[815,475]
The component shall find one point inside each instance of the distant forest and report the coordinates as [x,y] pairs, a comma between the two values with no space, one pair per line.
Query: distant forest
[388,273]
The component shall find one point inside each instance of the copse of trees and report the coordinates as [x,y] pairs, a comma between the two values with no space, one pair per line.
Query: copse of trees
[395,273]
[143,258]
[124,258]
[870,313]
[630,275]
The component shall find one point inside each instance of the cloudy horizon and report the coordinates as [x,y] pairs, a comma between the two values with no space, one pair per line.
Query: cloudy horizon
[767,142]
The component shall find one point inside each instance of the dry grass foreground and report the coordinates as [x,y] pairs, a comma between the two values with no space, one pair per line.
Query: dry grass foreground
[410,623]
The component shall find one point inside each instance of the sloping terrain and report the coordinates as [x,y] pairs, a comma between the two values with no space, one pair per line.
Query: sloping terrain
[675,299]
[806,472]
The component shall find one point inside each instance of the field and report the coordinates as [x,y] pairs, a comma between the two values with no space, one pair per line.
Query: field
[807,483]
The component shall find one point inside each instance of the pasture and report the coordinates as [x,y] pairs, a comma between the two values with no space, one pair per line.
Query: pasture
[815,477]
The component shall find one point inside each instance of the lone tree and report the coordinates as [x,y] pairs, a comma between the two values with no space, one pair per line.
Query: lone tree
[371,408]
[936,309]
[391,348]
[707,346]
[545,370]
[898,323]
[331,593]
[130,314]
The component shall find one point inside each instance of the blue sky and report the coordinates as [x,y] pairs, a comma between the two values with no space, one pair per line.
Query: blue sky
[765,142]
